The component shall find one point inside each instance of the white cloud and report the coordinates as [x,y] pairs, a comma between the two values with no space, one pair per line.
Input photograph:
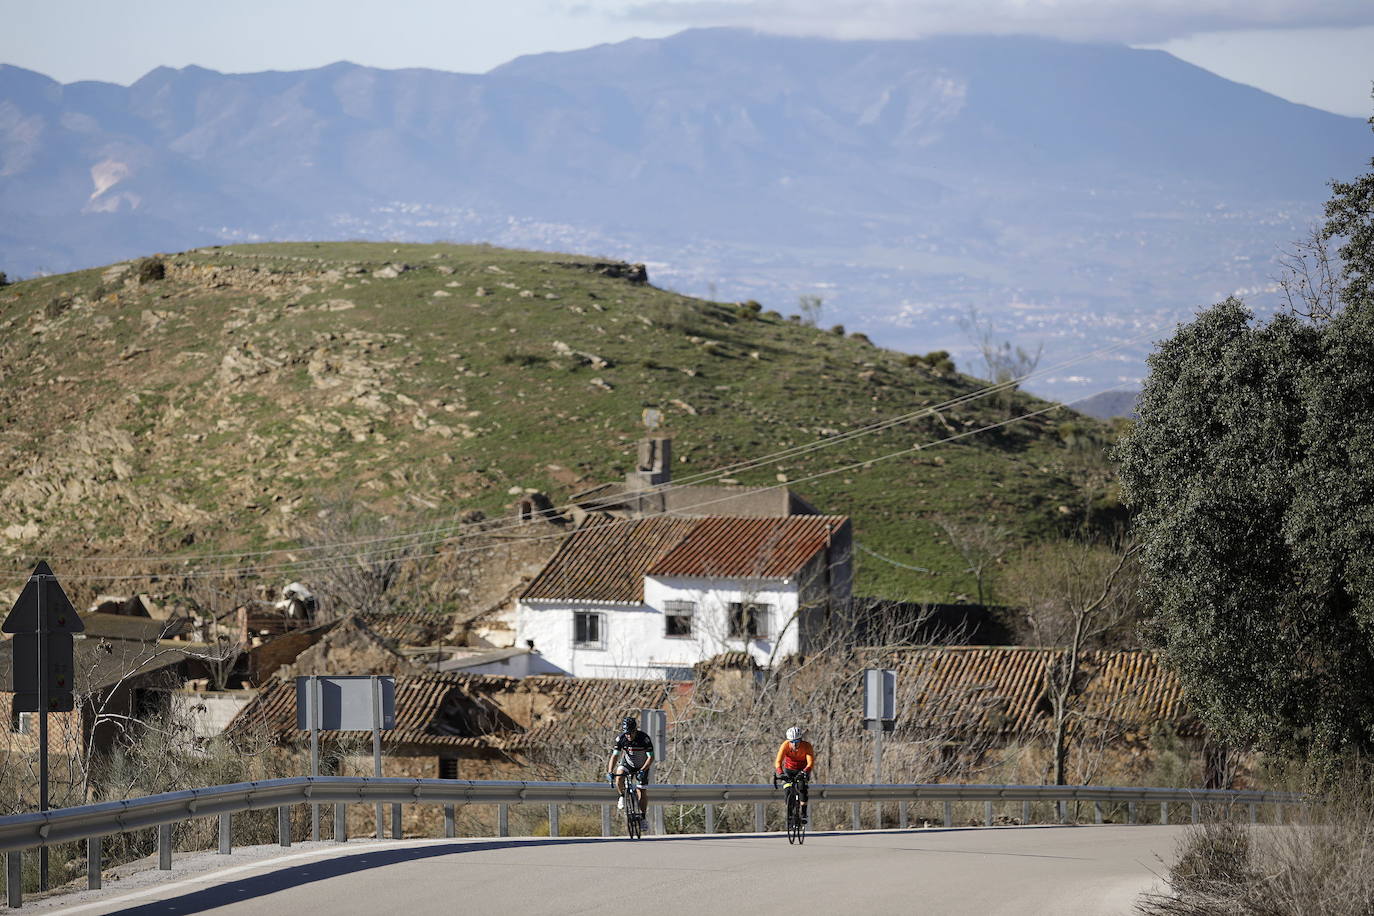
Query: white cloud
[1128,21]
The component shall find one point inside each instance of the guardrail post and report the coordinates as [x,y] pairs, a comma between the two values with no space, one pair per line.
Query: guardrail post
[314,822]
[226,834]
[949,814]
[901,814]
[710,818]
[553,819]
[1195,812]
[657,811]
[1164,813]
[1097,812]
[1278,814]
[284,825]
[381,833]
[450,827]
[164,847]
[1063,812]
[340,822]
[396,822]
[605,820]
[877,815]
[503,820]
[93,863]
[854,816]
[759,822]
[14,879]
[1130,812]
[1025,812]
[1254,813]
[987,814]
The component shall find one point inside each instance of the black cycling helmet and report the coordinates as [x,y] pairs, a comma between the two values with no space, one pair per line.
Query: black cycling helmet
[629,724]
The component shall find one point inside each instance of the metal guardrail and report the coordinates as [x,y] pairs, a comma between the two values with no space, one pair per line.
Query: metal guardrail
[91,822]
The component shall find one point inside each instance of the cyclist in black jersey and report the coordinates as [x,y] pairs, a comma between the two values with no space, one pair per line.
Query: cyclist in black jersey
[632,755]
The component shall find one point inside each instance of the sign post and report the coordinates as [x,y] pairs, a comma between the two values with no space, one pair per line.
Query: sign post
[654,723]
[880,710]
[42,623]
[346,703]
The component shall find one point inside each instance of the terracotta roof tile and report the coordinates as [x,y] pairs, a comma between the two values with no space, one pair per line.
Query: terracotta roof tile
[608,559]
[761,548]
[999,690]
[456,710]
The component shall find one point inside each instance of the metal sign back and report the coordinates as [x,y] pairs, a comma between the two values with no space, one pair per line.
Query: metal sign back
[345,703]
[880,694]
[58,659]
[654,723]
[57,608]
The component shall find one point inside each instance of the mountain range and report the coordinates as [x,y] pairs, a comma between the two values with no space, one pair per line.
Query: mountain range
[1071,194]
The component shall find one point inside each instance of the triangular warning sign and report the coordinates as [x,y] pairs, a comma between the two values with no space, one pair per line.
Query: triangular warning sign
[57,608]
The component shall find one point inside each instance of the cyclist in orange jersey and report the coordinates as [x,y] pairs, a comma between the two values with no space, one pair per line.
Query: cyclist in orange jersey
[795,761]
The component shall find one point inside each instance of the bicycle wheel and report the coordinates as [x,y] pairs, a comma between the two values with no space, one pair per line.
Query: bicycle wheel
[632,825]
[801,827]
[793,817]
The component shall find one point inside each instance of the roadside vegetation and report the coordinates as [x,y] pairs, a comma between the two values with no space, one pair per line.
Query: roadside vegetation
[1250,475]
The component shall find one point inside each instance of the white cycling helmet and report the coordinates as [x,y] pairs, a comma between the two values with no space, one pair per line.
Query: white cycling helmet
[794,733]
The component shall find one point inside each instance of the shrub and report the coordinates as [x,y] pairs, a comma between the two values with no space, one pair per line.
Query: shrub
[149,270]
[749,305]
[1319,864]
[522,358]
[773,315]
[4,279]
[861,337]
[57,305]
[838,330]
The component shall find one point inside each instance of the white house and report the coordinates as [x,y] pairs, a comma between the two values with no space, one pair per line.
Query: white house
[651,597]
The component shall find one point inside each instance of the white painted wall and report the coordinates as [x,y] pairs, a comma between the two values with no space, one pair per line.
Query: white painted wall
[635,640]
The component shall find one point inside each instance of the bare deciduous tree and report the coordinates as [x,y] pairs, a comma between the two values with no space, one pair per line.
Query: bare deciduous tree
[1075,597]
[1006,363]
[980,545]
[1310,279]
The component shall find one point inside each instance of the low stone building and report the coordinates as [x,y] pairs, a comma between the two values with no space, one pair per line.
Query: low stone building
[456,726]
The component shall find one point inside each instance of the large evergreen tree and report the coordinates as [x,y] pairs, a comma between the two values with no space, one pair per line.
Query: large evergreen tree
[1251,472]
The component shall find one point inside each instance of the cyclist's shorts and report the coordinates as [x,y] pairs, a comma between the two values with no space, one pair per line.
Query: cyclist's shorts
[642,776]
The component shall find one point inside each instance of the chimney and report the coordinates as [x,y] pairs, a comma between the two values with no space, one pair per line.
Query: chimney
[655,466]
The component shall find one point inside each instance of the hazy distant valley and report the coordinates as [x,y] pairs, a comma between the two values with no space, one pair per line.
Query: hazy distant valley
[1075,195]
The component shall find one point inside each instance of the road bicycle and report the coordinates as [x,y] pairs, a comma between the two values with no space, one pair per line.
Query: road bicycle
[634,817]
[796,823]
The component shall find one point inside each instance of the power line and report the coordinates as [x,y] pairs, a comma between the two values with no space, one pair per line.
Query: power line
[318,566]
[422,536]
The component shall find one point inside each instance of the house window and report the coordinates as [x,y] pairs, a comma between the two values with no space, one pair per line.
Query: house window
[23,723]
[749,620]
[448,767]
[677,618]
[589,630]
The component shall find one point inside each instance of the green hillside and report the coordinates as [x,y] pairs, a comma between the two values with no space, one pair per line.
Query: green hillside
[221,407]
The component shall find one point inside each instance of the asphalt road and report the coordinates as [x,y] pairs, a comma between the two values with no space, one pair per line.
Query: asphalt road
[1059,870]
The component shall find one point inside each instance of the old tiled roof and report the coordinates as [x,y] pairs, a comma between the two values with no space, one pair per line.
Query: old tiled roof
[410,628]
[608,560]
[1000,690]
[101,663]
[472,711]
[122,626]
[766,548]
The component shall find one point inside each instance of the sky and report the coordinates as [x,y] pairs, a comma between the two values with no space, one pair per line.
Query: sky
[1317,52]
